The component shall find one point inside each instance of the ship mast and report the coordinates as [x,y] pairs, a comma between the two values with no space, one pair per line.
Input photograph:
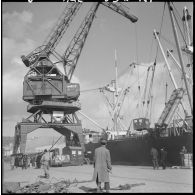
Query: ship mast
[115,94]
[168,66]
[179,53]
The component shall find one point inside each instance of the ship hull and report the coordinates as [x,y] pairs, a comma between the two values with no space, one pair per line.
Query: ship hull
[136,151]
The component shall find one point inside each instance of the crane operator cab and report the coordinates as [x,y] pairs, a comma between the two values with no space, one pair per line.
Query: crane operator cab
[140,124]
[46,82]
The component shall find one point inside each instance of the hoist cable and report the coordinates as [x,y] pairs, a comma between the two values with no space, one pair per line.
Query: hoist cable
[150,88]
[152,79]
[136,42]
[151,108]
[168,41]
[150,55]
[146,84]
[160,30]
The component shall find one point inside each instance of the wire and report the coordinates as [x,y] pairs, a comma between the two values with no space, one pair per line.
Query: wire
[160,30]
[149,59]
[136,42]
[88,90]
[168,41]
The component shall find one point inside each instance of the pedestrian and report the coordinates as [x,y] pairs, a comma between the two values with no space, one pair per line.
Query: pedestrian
[33,161]
[182,155]
[102,166]
[154,154]
[12,162]
[22,162]
[25,161]
[163,158]
[45,163]
[28,161]
[16,163]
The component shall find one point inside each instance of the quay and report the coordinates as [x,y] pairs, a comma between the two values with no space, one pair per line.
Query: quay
[141,178]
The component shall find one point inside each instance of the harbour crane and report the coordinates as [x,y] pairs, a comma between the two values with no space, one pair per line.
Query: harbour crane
[50,92]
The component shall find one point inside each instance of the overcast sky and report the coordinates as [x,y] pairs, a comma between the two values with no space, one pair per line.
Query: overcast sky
[25,27]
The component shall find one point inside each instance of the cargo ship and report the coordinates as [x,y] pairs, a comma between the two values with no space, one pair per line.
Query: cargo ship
[136,150]
[172,131]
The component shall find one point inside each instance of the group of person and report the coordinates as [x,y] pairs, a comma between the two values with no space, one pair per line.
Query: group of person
[24,161]
[162,157]
[156,158]
[103,167]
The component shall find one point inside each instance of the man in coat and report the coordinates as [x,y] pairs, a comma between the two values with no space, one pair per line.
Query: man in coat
[45,163]
[154,154]
[102,166]
[182,155]
[163,158]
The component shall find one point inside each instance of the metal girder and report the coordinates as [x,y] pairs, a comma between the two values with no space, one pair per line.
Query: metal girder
[72,53]
[170,107]
[64,127]
[75,47]
[55,36]
[62,25]
[121,9]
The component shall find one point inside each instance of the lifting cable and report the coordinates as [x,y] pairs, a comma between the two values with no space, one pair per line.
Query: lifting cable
[149,59]
[139,88]
[136,42]
[168,41]
[160,31]
[151,108]
[150,87]
[154,66]
[108,104]
[146,85]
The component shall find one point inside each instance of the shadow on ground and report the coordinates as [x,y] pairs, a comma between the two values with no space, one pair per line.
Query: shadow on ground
[88,190]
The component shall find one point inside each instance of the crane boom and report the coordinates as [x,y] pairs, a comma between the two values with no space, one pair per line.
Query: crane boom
[72,53]
[170,107]
[121,9]
[55,36]
[62,25]
[74,49]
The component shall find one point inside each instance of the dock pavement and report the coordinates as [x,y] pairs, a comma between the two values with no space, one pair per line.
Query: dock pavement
[143,179]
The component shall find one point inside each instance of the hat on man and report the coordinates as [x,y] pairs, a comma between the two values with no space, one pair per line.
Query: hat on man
[103,141]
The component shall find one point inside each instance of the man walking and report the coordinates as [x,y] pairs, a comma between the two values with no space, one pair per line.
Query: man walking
[45,163]
[102,166]
[182,155]
[163,158]
[12,162]
[154,154]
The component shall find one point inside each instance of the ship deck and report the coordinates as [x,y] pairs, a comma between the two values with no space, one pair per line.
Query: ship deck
[140,178]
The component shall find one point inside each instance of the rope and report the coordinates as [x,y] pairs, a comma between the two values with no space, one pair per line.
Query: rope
[149,59]
[168,41]
[160,30]
[136,42]
[152,79]
[146,86]
[56,142]
[150,88]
